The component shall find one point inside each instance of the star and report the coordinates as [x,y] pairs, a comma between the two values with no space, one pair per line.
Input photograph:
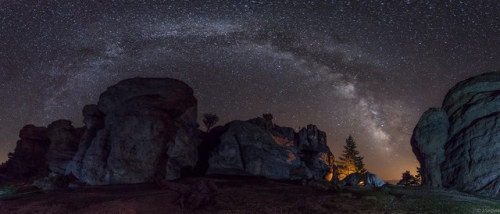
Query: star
[368,69]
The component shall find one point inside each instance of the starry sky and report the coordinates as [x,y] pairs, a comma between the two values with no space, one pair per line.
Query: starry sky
[363,68]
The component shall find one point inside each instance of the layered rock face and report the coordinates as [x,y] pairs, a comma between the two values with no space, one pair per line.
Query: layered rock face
[142,129]
[248,147]
[469,158]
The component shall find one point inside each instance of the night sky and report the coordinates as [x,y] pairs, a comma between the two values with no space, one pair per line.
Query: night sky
[363,68]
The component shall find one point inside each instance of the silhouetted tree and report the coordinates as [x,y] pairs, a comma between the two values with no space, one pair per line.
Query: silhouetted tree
[350,161]
[418,176]
[408,179]
[210,120]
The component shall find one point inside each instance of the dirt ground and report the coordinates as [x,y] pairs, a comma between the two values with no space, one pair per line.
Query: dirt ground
[245,195]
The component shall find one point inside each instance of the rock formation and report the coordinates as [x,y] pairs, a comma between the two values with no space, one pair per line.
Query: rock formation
[428,140]
[353,179]
[93,119]
[331,172]
[142,129]
[28,159]
[64,140]
[248,147]
[43,151]
[464,156]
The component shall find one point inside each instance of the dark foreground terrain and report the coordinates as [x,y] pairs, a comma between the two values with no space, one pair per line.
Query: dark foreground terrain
[243,195]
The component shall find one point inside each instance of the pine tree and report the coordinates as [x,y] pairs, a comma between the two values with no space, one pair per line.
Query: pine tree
[418,176]
[350,161]
[408,179]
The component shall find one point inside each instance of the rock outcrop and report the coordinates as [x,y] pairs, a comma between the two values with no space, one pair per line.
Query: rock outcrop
[252,148]
[468,159]
[93,119]
[353,179]
[64,140]
[428,140]
[28,159]
[142,129]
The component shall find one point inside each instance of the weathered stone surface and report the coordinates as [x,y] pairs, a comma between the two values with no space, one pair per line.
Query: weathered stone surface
[313,150]
[149,131]
[64,140]
[311,139]
[472,149]
[428,140]
[461,93]
[472,99]
[93,119]
[179,95]
[473,158]
[248,147]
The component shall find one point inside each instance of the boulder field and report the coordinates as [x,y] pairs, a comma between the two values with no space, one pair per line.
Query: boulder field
[145,129]
[458,145]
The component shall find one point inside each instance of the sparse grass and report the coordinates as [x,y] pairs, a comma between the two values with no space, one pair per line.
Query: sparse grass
[7,190]
[409,200]
[245,195]
[434,205]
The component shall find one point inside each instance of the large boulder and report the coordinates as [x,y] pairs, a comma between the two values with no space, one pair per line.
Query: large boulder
[179,96]
[149,132]
[249,147]
[93,119]
[471,160]
[428,140]
[353,179]
[472,99]
[64,140]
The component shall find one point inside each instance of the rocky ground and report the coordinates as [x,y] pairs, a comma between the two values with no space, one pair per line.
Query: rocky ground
[243,195]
